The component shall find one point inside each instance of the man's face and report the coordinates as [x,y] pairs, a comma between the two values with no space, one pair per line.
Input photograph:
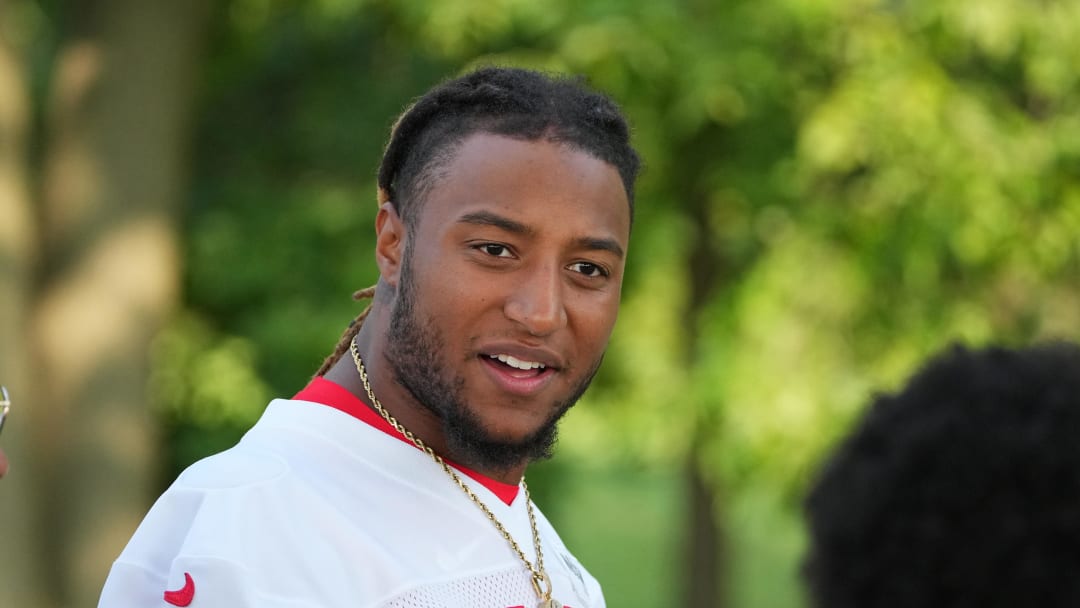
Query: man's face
[508,293]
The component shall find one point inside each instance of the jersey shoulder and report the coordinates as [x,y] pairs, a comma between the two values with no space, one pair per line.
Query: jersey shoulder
[245,464]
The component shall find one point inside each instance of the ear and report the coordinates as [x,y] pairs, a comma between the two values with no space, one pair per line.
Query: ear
[389,243]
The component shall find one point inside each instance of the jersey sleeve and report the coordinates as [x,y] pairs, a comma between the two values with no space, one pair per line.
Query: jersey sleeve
[131,585]
[190,549]
[191,583]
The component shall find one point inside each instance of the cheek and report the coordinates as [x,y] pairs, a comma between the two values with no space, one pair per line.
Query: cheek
[454,304]
[462,288]
[595,321]
[440,282]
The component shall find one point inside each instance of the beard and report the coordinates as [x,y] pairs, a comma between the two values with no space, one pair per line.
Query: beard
[419,363]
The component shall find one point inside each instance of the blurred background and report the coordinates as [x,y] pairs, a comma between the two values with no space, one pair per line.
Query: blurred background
[834,190]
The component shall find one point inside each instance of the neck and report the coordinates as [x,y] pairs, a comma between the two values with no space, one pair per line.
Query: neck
[401,404]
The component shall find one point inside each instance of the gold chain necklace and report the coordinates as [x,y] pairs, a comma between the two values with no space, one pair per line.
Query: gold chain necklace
[540,581]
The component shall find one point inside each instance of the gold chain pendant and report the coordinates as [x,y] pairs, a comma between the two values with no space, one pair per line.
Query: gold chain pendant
[549,603]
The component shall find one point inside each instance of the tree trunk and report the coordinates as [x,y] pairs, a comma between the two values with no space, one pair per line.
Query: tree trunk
[705,569]
[22,571]
[108,274]
[704,584]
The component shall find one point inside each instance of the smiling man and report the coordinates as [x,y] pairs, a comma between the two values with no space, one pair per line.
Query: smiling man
[396,477]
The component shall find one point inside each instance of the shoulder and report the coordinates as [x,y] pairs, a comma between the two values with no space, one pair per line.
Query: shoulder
[212,497]
[199,515]
[207,500]
[244,465]
[290,438]
[265,511]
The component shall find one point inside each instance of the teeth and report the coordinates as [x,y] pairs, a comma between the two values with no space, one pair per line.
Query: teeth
[518,363]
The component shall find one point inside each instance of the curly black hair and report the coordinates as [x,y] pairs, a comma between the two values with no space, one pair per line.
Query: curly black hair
[962,490]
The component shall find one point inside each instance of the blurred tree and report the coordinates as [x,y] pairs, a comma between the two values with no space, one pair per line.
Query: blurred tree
[91,272]
[797,197]
[22,571]
[833,190]
[294,110]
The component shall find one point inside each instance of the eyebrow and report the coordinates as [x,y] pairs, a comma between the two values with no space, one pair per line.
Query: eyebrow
[487,218]
[599,244]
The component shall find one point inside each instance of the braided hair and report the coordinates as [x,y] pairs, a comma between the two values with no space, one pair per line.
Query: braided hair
[512,102]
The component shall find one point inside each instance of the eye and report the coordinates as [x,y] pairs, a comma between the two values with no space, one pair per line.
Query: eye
[495,250]
[588,269]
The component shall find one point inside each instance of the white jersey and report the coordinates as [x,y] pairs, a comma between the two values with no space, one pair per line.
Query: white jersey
[322,507]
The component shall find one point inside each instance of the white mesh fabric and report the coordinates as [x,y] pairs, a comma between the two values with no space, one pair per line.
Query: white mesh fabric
[498,590]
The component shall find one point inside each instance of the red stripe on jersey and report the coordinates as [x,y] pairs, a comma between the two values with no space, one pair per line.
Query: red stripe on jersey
[329,393]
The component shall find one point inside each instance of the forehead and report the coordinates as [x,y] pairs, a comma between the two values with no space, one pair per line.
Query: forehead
[540,180]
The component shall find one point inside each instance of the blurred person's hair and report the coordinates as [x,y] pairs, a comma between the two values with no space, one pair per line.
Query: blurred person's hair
[963,489]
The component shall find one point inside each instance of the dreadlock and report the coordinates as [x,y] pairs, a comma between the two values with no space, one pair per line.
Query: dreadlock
[350,331]
[516,103]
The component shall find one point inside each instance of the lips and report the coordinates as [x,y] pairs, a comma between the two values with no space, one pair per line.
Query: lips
[517,355]
[519,370]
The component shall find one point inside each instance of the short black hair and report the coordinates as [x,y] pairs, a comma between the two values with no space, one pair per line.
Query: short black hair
[513,102]
[961,490]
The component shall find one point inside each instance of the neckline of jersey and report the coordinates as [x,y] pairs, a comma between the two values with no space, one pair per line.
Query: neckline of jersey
[331,394]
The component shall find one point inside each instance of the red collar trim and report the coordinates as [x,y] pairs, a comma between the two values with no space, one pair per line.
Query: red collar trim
[329,393]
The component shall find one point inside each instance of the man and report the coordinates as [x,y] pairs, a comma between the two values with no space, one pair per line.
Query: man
[3,464]
[396,477]
[961,490]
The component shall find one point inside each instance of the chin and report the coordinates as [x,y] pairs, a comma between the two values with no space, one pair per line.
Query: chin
[501,450]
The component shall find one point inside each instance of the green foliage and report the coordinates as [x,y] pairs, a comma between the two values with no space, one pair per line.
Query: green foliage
[203,378]
[645,537]
[205,388]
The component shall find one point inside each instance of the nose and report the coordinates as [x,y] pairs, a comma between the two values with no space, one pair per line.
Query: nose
[537,301]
